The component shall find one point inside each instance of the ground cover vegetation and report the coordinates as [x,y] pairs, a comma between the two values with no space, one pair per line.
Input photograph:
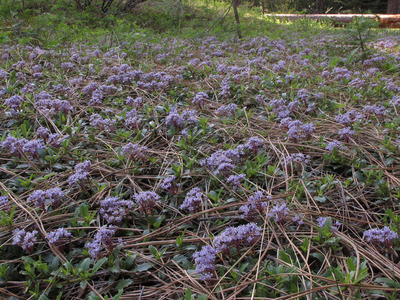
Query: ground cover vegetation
[157,161]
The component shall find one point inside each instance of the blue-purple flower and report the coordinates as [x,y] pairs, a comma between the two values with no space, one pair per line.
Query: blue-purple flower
[192,200]
[169,184]
[322,220]
[102,239]
[205,262]
[58,237]
[200,99]
[235,181]
[25,239]
[257,204]
[82,172]
[146,200]
[114,209]
[381,237]
[243,235]
[134,151]
[279,213]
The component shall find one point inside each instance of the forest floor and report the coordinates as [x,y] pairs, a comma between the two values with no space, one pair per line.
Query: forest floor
[139,165]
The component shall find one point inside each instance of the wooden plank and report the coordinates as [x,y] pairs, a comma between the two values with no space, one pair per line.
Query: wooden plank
[385,20]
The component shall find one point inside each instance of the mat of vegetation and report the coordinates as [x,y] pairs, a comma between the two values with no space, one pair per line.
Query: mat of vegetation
[201,168]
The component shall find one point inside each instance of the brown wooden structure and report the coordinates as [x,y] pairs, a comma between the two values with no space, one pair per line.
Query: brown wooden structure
[387,21]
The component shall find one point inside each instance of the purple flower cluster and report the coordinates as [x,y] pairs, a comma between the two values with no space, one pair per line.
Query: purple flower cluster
[19,146]
[25,239]
[279,213]
[281,110]
[229,110]
[137,102]
[257,203]
[335,144]
[378,237]
[346,133]
[43,133]
[103,124]
[350,117]
[90,88]
[243,235]
[58,237]
[134,151]
[192,200]
[377,110]
[39,197]
[176,120]
[303,95]
[32,147]
[146,200]
[358,83]
[13,145]
[82,172]
[170,185]
[14,103]
[4,203]
[103,237]
[132,120]
[297,159]
[205,262]
[396,101]
[151,81]
[67,66]
[279,66]
[114,209]
[225,88]
[46,105]
[298,219]
[296,130]
[335,225]
[235,181]
[223,162]
[253,145]
[200,99]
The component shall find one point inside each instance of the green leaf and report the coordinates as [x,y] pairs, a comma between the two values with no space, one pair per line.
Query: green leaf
[359,176]
[83,284]
[114,269]
[361,276]
[84,210]
[389,160]
[188,294]
[285,257]
[350,264]
[143,267]
[388,282]
[118,296]
[305,245]
[182,260]
[154,251]
[124,283]
[318,256]
[321,199]
[85,264]
[338,274]
[99,264]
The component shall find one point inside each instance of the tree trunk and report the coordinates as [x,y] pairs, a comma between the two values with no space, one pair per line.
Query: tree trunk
[393,6]
[235,4]
[319,6]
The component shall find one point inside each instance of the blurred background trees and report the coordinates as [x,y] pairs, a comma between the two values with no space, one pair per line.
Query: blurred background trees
[274,6]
